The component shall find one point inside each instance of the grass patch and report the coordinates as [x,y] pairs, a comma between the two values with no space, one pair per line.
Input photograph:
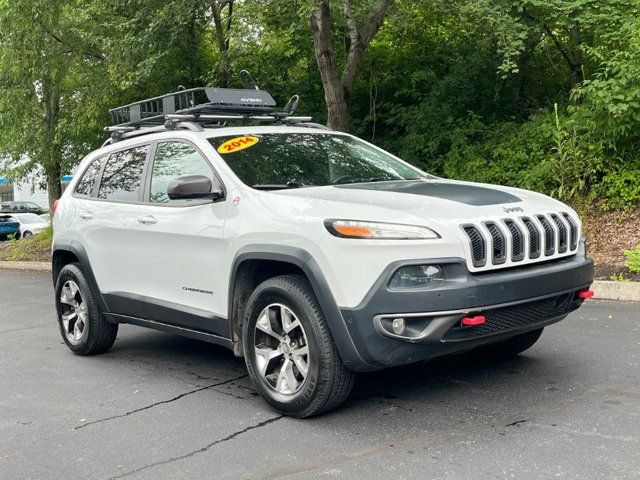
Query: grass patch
[34,249]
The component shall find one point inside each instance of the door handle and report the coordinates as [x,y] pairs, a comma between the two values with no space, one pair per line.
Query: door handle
[86,215]
[148,220]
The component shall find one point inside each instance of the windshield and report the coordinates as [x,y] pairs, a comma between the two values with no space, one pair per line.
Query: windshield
[289,160]
[29,218]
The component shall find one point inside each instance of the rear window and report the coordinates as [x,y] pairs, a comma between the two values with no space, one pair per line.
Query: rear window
[281,160]
[88,180]
[122,175]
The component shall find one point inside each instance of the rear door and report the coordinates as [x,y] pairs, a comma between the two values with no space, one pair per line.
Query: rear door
[109,220]
[180,272]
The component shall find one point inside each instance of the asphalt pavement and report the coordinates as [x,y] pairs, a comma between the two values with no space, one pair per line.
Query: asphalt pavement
[159,406]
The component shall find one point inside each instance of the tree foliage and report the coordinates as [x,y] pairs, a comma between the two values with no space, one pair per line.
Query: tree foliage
[541,94]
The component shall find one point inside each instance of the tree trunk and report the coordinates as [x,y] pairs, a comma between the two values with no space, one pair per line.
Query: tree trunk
[52,161]
[339,88]
[334,92]
[576,76]
[223,36]
[54,187]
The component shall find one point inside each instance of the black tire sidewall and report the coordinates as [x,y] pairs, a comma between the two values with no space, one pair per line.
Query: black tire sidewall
[266,295]
[73,272]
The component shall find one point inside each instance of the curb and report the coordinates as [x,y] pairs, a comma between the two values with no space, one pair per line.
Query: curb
[609,290]
[37,266]
[605,290]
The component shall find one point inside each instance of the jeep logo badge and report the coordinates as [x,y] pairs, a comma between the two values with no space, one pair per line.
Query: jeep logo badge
[512,209]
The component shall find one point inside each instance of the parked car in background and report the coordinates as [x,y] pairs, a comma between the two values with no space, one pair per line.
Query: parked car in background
[8,226]
[46,217]
[30,224]
[22,207]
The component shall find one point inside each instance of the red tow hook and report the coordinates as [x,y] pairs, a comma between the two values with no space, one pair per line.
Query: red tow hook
[584,294]
[471,321]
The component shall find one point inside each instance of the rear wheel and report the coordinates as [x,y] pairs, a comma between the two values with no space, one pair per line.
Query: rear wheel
[289,351]
[512,346]
[27,234]
[81,323]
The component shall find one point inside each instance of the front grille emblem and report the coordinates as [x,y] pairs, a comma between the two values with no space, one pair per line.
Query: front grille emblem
[512,209]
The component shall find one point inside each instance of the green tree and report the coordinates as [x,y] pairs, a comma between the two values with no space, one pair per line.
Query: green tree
[50,77]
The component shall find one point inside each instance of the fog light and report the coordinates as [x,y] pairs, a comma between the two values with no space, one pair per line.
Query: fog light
[415,276]
[398,326]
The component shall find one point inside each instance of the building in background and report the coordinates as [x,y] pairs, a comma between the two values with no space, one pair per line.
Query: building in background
[27,191]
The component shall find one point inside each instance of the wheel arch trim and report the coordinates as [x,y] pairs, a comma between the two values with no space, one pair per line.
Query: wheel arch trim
[83,258]
[304,261]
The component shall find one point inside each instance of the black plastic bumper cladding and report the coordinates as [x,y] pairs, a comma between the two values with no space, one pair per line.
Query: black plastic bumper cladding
[509,298]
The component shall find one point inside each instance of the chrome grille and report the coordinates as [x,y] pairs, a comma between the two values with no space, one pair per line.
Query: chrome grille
[522,239]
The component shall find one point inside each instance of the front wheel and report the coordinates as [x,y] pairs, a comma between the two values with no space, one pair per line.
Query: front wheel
[27,234]
[512,346]
[289,351]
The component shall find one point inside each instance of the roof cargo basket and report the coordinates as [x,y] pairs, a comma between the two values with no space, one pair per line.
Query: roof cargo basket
[194,101]
[195,108]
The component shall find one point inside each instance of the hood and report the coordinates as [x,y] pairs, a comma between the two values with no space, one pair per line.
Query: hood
[439,200]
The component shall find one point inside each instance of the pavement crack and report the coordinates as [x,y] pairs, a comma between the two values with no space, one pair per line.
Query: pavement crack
[161,402]
[200,450]
[12,330]
[516,423]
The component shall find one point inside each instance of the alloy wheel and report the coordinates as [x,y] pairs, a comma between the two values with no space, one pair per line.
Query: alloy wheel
[281,348]
[74,315]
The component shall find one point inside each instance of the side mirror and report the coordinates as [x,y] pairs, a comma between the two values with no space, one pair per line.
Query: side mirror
[193,187]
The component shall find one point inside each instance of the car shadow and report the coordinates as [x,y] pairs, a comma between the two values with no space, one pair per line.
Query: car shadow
[444,378]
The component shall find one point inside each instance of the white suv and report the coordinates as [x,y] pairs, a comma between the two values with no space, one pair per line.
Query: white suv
[310,253]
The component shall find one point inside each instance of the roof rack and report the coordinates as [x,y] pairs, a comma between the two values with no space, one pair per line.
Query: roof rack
[195,108]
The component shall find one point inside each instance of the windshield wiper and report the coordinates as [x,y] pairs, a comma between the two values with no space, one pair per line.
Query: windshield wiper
[278,186]
[367,180]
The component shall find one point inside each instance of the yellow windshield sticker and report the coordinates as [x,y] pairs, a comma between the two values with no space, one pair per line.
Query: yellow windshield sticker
[236,144]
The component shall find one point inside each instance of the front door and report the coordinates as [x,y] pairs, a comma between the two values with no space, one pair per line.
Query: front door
[180,269]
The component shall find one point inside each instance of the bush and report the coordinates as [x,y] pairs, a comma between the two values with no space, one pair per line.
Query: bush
[633,259]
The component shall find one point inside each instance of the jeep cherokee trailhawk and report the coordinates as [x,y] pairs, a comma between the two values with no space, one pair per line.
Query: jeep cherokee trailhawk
[308,252]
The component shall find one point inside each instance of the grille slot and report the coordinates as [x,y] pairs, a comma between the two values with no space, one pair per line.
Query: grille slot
[499,244]
[562,234]
[517,240]
[478,247]
[534,238]
[549,236]
[573,231]
[501,320]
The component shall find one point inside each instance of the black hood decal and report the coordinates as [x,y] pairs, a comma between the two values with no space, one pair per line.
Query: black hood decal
[468,194]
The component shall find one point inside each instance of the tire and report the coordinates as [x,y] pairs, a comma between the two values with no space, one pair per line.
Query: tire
[27,234]
[510,347]
[94,334]
[327,382]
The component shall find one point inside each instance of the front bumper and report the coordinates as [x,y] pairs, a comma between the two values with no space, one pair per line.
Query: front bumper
[514,301]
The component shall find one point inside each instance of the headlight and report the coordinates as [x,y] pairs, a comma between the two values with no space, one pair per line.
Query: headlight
[415,276]
[377,230]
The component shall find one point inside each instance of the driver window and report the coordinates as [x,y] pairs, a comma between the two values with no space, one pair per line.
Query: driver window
[173,160]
